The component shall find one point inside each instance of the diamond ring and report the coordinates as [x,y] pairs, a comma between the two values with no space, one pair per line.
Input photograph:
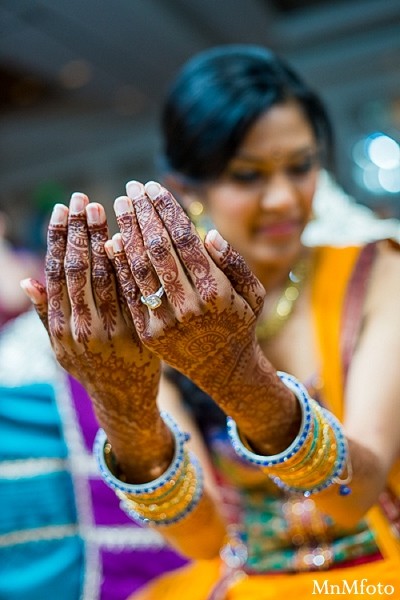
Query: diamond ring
[153,301]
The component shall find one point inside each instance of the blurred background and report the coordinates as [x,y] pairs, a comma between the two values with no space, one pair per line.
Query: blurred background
[81,83]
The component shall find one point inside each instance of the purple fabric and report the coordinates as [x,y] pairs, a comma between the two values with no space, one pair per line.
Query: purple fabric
[84,411]
[125,572]
[106,510]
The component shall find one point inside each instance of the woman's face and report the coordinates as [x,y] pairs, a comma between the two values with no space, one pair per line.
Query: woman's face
[262,202]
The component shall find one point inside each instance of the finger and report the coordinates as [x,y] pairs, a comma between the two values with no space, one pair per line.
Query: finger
[36,293]
[186,241]
[103,282]
[138,259]
[235,268]
[77,268]
[59,309]
[109,250]
[159,247]
[129,291]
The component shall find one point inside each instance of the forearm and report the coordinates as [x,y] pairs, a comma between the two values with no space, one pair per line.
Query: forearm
[140,454]
[175,503]
[266,411]
[201,534]
[126,408]
[368,480]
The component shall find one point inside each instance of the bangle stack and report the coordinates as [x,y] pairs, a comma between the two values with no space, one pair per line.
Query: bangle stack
[315,459]
[165,500]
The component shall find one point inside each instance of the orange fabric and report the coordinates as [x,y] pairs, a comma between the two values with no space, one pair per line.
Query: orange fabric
[334,267]
[195,582]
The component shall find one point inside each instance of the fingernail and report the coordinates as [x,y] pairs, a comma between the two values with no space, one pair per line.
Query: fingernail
[117,243]
[59,215]
[216,239]
[123,205]
[153,189]
[25,285]
[77,203]
[135,189]
[93,214]
[108,247]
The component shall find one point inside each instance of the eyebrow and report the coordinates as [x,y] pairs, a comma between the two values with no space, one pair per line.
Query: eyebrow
[299,153]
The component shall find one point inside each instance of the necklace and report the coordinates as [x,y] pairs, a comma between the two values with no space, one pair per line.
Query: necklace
[273,322]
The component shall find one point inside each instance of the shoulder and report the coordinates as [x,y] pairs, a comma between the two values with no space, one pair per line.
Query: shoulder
[384,284]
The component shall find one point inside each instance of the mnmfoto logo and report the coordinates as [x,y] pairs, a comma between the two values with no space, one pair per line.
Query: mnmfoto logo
[358,587]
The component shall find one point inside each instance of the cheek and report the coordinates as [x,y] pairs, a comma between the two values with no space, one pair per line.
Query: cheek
[307,190]
[230,210]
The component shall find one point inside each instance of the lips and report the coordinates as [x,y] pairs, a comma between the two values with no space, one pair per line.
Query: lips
[280,228]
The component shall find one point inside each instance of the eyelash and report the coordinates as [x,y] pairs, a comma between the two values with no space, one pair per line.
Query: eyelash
[252,176]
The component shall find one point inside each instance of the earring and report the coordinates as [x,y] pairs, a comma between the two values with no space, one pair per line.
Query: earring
[199,217]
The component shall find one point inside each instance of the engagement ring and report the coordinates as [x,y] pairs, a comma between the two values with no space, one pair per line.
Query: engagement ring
[153,301]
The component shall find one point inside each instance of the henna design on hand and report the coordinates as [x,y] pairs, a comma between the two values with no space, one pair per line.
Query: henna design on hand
[102,279]
[243,280]
[92,340]
[77,275]
[160,251]
[188,245]
[212,338]
[55,278]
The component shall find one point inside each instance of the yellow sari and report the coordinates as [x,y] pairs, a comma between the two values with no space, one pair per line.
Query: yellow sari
[373,579]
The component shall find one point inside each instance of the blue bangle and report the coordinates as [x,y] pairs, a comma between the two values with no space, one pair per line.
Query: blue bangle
[306,421]
[338,467]
[180,516]
[143,488]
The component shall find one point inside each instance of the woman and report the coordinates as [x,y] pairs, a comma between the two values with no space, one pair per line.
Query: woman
[288,489]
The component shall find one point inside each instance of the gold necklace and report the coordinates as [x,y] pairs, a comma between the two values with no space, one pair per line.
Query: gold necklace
[273,322]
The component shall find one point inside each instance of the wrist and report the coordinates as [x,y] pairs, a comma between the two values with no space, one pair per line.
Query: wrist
[266,410]
[140,453]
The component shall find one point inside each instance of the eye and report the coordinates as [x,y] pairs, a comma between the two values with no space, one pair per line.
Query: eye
[303,167]
[245,175]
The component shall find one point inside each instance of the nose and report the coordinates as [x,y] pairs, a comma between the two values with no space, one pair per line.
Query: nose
[278,193]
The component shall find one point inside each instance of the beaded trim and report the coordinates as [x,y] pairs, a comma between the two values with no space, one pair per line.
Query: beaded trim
[165,500]
[144,488]
[192,498]
[314,460]
[269,461]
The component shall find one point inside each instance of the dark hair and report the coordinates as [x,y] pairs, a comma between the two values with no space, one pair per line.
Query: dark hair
[217,96]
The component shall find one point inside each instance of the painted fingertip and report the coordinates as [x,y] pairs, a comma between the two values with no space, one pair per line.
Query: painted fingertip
[109,250]
[93,213]
[153,189]
[117,243]
[216,240]
[123,206]
[29,290]
[59,215]
[135,189]
[78,202]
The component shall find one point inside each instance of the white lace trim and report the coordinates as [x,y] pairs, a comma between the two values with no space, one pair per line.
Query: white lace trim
[340,220]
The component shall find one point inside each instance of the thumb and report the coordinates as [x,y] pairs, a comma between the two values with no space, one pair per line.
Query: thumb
[37,294]
[235,268]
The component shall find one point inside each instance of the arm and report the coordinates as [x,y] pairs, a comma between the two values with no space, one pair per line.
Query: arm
[84,319]
[205,326]
[95,341]
[209,336]
[372,414]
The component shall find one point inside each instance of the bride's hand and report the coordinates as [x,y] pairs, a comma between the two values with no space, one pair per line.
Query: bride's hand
[81,310]
[204,325]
